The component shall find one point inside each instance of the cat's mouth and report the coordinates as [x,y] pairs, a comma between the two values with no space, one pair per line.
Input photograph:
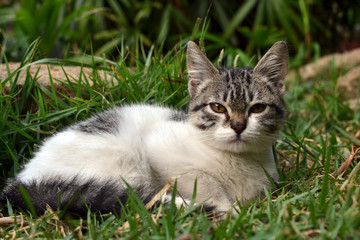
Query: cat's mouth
[237,140]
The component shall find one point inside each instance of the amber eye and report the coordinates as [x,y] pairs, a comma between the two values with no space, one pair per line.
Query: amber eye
[258,108]
[217,107]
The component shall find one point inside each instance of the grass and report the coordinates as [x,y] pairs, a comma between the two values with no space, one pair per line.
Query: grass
[307,202]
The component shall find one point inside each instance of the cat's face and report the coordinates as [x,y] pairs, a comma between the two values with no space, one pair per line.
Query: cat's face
[238,109]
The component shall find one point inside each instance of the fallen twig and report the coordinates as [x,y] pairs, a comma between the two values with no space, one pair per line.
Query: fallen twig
[351,178]
[7,221]
[345,165]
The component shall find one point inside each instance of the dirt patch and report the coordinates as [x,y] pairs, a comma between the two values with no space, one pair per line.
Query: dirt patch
[42,72]
[348,81]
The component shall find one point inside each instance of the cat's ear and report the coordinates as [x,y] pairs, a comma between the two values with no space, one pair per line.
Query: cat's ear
[274,64]
[200,69]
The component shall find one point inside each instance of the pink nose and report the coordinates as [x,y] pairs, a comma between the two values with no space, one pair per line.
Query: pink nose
[238,127]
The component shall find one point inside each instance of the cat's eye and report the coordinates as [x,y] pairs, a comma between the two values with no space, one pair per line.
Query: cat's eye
[257,108]
[218,108]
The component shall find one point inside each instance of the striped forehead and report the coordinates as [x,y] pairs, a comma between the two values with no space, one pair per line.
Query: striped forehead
[236,89]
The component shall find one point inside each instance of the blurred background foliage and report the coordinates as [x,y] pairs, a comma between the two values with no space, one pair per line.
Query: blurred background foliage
[77,27]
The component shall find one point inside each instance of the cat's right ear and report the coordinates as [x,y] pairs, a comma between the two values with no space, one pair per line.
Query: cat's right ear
[273,65]
[200,69]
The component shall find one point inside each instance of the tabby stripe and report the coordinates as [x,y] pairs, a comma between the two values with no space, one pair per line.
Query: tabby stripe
[204,89]
[232,95]
[226,95]
[228,77]
[272,127]
[247,79]
[251,96]
[227,117]
[278,110]
[198,107]
[269,89]
[204,127]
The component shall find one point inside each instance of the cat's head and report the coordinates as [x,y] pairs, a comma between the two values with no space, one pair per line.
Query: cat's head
[239,109]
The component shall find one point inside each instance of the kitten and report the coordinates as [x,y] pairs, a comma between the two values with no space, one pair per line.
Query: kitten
[224,142]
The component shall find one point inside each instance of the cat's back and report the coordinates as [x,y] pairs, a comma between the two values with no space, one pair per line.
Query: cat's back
[120,120]
[107,144]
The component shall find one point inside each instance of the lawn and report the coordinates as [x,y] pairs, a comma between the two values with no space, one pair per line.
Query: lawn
[311,200]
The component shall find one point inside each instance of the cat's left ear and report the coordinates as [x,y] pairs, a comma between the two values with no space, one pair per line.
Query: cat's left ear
[201,71]
[274,64]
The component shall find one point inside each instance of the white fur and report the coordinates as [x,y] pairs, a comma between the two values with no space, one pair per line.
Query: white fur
[149,142]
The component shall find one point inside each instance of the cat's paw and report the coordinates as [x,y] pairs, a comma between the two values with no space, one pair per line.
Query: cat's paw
[179,201]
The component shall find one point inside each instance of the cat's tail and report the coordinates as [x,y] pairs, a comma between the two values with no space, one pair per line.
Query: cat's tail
[77,197]
[73,196]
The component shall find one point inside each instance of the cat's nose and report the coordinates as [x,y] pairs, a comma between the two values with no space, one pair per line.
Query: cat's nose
[238,127]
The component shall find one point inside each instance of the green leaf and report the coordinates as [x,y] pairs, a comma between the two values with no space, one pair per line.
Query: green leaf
[238,18]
